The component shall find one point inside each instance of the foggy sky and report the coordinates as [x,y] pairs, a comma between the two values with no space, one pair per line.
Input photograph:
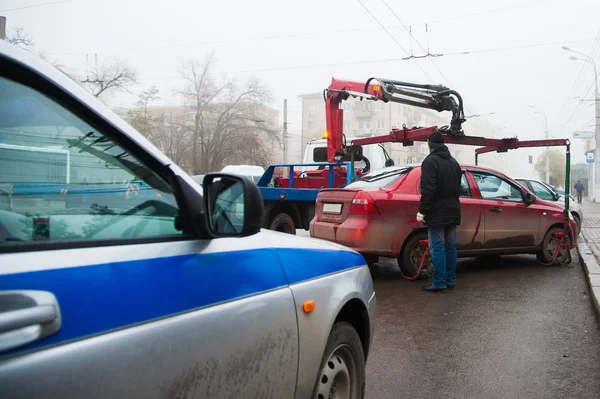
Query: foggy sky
[296,47]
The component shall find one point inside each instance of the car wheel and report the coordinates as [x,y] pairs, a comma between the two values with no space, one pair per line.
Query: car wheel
[411,257]
[342,371]
[549,246]
[578,221]
[283,223]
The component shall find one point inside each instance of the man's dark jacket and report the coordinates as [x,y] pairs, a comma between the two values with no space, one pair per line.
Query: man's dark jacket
[440,189]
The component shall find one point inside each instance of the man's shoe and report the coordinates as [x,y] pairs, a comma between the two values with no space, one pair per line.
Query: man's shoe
[450,286]
[432,288]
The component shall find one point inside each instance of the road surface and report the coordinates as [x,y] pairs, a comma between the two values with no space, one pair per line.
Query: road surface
[510,329]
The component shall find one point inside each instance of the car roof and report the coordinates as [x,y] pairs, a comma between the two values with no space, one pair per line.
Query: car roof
[475,168]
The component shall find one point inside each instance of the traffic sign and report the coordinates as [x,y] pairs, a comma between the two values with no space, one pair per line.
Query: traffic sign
[583,135]
[590,156]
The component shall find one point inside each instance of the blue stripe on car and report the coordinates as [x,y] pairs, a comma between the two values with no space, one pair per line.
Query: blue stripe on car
[98,298]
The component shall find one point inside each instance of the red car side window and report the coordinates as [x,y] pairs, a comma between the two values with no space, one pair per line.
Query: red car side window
[465,190]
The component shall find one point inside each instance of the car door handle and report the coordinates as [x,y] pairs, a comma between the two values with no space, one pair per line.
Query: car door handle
[27,316]
[496,209]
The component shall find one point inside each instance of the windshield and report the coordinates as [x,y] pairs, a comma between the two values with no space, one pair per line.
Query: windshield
[379,178]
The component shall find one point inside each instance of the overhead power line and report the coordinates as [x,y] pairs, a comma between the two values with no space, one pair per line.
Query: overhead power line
[577,109]
[418,43]
[371,61]
[581,75]
[439,21]
[229,41]
[36,5]
[395,40]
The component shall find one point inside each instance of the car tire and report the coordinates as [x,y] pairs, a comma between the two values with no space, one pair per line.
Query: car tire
[283,223]
[410,259]
[342,369]
[548,249]
[578,221]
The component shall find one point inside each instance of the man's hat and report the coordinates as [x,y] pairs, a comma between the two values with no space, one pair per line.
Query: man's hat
[435,139]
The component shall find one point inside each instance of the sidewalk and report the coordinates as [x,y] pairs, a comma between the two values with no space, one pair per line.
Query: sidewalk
[589,247]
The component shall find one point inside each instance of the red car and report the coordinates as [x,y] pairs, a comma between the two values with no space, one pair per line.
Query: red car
[376,216]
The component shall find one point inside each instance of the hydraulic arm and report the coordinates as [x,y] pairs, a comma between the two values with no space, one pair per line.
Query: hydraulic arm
[434,97]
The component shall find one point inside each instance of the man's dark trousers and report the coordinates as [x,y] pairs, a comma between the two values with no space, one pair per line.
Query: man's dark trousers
[442,246]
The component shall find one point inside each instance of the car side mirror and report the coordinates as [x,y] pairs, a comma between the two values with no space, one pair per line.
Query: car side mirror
[389,162]
[556,196]
[233,205]
[529,198]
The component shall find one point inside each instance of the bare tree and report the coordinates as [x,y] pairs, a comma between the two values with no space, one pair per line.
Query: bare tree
[226,122]
[141,117]
[173,139]
[19,38]
[110,77]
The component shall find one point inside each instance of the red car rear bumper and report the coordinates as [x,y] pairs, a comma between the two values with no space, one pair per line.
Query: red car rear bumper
[361,233]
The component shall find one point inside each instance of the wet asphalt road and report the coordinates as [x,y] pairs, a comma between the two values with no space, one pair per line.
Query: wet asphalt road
[510,329]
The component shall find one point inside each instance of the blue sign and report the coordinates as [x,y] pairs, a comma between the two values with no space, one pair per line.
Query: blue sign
[590,156]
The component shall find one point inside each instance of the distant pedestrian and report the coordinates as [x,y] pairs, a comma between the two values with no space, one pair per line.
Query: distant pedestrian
[439,209]
[579,189]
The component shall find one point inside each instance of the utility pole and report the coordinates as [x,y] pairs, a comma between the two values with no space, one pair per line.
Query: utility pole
[2,28]
[285,133]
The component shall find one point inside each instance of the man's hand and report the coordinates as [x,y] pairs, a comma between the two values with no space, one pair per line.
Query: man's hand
[420,217]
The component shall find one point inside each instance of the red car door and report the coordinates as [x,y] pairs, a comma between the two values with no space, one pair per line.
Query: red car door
[470,233]
[510,223]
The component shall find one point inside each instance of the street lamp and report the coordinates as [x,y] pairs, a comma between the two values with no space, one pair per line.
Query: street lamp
[539,111]
[478,115]
[590,60]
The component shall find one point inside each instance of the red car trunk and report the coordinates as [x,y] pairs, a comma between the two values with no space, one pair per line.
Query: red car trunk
[333,205]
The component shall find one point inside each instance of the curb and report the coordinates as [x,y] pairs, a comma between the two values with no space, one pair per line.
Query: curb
[592,270]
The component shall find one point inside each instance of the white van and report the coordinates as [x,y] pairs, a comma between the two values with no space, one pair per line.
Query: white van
[252,171]
[375,154]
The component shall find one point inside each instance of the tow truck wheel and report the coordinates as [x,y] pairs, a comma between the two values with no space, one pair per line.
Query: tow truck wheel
[342,371]
[283,223]
[549,246]
[411,257]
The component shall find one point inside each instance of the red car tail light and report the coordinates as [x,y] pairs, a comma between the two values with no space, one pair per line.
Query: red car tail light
[363,204]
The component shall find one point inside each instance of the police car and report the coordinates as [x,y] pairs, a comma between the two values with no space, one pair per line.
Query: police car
[169,289]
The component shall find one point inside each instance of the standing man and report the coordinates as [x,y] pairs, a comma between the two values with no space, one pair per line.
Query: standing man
[579,188]
[439,209]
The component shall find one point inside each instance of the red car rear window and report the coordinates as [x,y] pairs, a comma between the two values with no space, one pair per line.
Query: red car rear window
[379,178]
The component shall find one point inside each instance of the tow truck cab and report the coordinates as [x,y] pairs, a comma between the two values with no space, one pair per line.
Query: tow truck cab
[376,155]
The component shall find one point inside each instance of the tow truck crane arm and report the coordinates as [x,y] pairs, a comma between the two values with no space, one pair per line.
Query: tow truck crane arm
[436,97]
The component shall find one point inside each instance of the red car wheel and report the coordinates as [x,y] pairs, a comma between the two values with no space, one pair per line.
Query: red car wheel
[411,257]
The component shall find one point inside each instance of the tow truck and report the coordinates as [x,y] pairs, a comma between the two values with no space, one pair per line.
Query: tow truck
[290,201]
